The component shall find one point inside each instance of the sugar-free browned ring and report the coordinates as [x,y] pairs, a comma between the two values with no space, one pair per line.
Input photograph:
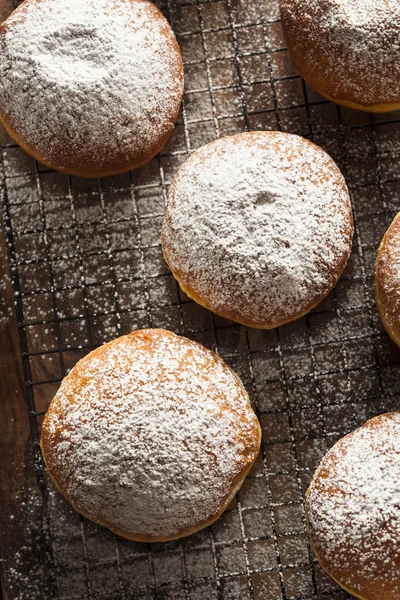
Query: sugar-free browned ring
[353,510]
[387,280]
[151,436]
[89,87]
[258,227]
[347,50]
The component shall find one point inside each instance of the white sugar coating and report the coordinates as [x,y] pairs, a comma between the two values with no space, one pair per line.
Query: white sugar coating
[97,80]
[353,508]
[353,45]
[258,226]
[388,275]
[148,434]
[26,571]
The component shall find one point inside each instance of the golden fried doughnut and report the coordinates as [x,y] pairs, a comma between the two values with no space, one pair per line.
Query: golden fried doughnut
[387,280]
[258,227]
[347,50]
[353,510]
[89,87]
[150,435]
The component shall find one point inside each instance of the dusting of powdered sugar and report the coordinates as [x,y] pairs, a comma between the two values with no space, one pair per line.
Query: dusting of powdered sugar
[89,81]
[147,434]
[388,275]
[354,508]
[27,573]
[349,49]
[258,226]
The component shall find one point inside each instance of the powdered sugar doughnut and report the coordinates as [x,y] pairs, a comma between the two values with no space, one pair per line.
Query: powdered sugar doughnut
[353,510]
[348,50]
[91,87]
[258,227]
[387,280]
[151,436]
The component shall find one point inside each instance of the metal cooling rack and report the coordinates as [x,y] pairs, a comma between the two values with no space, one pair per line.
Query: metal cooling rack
[87,266]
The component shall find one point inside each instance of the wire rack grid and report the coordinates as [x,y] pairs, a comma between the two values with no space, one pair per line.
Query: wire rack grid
[87,266]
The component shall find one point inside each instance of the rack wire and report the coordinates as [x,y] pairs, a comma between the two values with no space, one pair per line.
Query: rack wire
[87,266]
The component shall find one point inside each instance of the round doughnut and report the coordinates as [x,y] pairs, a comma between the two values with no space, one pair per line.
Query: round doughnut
[353,510]
[150,435]
[258,227]
[89,87]
[387,280]
[347,50]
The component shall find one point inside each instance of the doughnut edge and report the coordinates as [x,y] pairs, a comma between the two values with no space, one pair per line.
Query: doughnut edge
[379,295]
[236,484]
[307,494]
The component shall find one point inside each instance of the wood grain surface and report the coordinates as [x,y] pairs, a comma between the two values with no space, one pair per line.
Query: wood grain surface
[16,472]
[22,543]
[22,536]
[6,7]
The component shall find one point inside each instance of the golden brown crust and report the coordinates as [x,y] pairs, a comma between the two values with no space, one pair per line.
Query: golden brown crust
[337,48]
[153,539]
[387,280]
[371,108]
[347,589]
[82,169]
[98,161]
[143,343]
[226,306]
[235,316]
[364,560]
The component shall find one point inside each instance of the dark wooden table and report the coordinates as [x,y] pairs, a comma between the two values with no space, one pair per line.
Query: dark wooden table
[17,477]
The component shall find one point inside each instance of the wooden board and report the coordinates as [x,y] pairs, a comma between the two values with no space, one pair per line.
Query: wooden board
[18,486]
[22,545]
